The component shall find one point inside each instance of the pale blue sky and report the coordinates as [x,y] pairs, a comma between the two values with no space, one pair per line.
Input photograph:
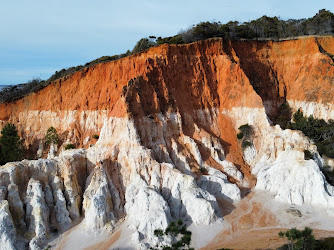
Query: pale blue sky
[38,37]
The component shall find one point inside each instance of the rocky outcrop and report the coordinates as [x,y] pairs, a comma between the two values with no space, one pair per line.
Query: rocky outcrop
[198,76]
[36,196]
[37,214]
[294,180]
[8,237]
[167,121]
[119,178]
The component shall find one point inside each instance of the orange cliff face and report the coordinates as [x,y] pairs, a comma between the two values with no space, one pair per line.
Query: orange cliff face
[194,72]
[167,121]
[296,69]
[207,75]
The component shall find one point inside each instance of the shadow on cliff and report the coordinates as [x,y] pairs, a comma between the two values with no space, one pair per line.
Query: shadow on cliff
[115,181]
[154,103]
[183,83]
[114,173]
[260,72]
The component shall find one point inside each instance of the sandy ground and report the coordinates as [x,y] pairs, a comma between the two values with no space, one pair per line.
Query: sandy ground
[258,218]
[78,238]
[257,239]
[105,244]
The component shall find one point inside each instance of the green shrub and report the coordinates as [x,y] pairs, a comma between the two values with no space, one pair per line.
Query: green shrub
[327,243]
[181,237]
[11,145]
[321,132]
[51,136]
[304,239]
[308,155]
[299,239]
[203,170]
[158,232]
[240,135]
[12,93]
[142,45]
[246,130]
[69,146]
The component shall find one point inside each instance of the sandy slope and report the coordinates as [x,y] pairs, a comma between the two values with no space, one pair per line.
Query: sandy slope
[258,218]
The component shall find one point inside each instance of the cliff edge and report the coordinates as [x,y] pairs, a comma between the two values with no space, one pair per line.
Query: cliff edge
[167,121]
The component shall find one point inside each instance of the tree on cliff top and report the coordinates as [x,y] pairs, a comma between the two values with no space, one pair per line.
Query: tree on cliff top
[143,44]
[11,144]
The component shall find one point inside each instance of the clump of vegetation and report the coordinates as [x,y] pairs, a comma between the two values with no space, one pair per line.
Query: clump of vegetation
[245,134]
[159,232]
[299,239]
[262,28]
[12,93]
[284,115]
[327,243]
[203,170]
[170,40]
[69,146]
[142,45]
[240,135]
[304,239]
[11,144]
[181,237]
[63,73]
[321,132]
[95,136]
[246,130]
[308,155]
[51,136]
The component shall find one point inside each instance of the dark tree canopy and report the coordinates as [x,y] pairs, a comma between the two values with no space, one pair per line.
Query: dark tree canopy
[51,136]
[143,44]
[11,144]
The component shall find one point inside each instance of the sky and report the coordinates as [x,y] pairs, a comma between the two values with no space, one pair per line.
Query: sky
[38,37]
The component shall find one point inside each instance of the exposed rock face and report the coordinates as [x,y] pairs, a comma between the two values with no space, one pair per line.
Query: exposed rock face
[121,177]
[36,196]
[167,121]
[303,180]
[97,202]
[277,160]
[7,229]
[16,207]
[37,214]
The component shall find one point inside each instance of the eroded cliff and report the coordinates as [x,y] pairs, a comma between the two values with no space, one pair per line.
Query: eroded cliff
[167,121]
